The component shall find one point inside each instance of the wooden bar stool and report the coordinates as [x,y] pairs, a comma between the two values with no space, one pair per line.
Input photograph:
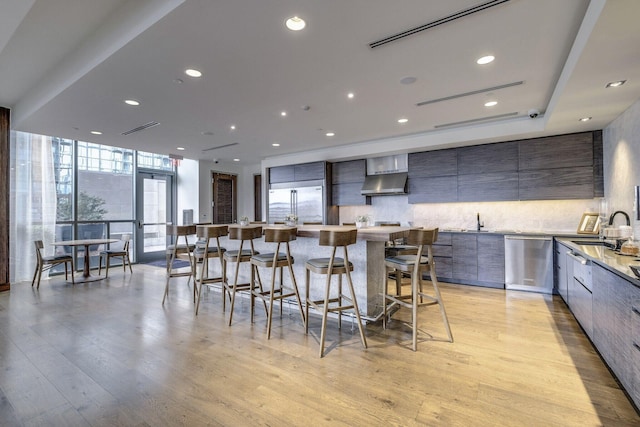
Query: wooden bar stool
[244,234]
[329,267]
[276,261]
[208,246]
[415,265]
[179,250]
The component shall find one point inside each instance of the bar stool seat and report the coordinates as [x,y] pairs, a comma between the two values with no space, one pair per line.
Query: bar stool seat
[276,261]
[415,266]
[329,267]
[177,250]
[207,247]
[239,256]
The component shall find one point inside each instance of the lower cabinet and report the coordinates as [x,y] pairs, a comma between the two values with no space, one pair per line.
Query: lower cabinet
[561,270]
[470,258]
[581,304]
[616,328]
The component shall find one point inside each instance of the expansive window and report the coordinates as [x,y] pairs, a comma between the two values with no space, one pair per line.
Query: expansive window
[94,195]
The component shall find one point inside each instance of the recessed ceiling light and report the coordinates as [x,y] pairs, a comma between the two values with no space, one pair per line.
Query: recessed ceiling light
[585,119]
[350,95]
[408,80]
[491,103]
[295,23]
[96,132]
[192,73]
[232,127]
[275,144]
[178,81]
[131,102]
[236,160]
[616,84]
[330,134]
[283,113]
[180,148]
[485,60]
[403,120]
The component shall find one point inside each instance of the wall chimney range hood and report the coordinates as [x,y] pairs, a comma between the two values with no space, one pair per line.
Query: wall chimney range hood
[386,176]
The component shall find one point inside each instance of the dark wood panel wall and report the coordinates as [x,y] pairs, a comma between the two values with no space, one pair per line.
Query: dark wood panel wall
[4,199]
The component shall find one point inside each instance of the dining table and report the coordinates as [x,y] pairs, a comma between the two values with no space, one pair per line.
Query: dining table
[87,243]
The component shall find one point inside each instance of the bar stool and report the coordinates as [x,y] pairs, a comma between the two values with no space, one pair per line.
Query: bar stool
[396,247]
[329,267]
[179,250]
[206,249]
[239,256]
[276,261]
[415,265]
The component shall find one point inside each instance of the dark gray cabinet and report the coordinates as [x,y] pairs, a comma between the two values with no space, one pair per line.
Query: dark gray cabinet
[556,167]
[554,184]
[347,179]
[302,172]
[615,306]
[556,152]
[612,319]
[470,258]
[491,258]
[442,256]
[484,187]
[433,176]
[561,270]
[465,256]
[488,158]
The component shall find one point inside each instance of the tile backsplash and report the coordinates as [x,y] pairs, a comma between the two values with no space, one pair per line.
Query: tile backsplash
[541,215]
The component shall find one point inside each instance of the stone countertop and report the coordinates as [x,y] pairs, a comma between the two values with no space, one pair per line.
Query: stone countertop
[605,257]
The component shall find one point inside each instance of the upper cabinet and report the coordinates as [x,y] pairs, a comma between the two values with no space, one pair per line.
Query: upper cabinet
[433,176]
[302,172]
[347,179]
[556,167]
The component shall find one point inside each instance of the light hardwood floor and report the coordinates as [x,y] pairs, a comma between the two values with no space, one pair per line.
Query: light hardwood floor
[108,353]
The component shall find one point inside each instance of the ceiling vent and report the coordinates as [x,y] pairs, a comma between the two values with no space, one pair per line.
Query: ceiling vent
[480,119]
[446,19]
[220,146]
[142,127]
[471,93]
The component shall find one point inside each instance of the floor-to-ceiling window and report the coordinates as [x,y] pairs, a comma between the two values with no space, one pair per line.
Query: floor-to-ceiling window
[64,189]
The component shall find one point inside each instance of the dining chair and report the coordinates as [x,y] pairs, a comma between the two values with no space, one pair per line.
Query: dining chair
[276,261]
[178,250]
[207,247]
[240,256]
[44,263]
[415,266]
[122,253]
[333,266]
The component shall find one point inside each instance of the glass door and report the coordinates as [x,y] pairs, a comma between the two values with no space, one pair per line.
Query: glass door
[154,205]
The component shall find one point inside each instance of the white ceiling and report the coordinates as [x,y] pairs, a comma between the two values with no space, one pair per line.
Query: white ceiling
[66,66]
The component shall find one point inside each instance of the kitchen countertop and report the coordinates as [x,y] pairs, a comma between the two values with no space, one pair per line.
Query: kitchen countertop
[605,257]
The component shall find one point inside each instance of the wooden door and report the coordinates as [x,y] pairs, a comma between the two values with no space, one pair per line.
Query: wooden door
[224,198]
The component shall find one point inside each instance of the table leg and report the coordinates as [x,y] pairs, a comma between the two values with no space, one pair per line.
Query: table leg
[86,273]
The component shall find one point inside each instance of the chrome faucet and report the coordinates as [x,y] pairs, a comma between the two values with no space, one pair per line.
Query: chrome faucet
[611,218]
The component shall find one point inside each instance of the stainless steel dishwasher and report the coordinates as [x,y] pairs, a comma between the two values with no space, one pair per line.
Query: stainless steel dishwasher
[528,263]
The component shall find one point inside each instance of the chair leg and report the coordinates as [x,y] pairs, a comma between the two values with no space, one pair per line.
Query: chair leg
[295,289]
[414,311]
[100,265]
[307,299]
[325,312]
[35,273]
[356,310]
[434,281]
[106,272]
[398,276]
[235,288]
[271,295]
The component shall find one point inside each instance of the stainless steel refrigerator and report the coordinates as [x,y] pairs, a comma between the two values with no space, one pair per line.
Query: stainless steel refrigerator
[305,200]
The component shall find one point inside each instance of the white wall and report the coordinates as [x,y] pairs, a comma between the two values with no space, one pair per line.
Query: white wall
[187,184]
[245,187]
[622,160]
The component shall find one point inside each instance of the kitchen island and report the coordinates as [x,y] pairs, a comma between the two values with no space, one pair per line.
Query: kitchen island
[367,256]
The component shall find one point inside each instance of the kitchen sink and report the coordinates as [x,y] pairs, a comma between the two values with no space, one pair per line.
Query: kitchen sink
[594,243]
